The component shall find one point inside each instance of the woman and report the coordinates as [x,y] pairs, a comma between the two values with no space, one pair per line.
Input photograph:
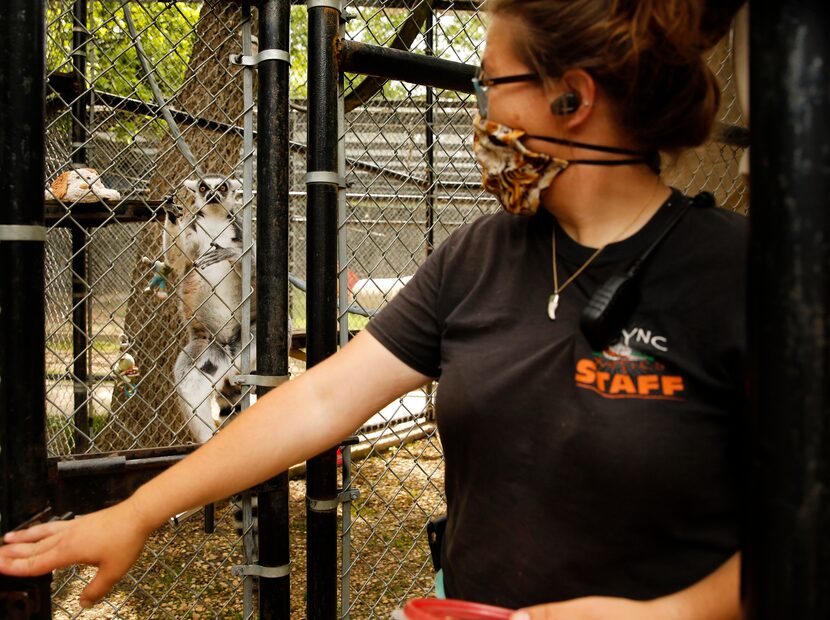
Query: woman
[581,482]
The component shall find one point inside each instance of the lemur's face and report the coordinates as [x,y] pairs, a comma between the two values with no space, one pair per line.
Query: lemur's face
[213,189]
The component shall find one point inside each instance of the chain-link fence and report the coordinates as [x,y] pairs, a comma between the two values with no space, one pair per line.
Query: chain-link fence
[125,79]
[141,97]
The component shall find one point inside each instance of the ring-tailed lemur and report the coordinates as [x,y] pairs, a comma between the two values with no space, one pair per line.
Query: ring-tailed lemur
[204,247]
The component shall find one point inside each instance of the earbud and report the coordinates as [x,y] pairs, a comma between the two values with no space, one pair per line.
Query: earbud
[566,104]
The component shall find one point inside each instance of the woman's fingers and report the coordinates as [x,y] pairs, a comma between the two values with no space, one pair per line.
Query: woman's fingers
[31,564]
[110,572]
[106,539]
[104,580]
[36,532]
[25,550]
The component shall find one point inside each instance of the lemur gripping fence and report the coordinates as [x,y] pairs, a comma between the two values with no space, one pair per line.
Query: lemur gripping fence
[377,141]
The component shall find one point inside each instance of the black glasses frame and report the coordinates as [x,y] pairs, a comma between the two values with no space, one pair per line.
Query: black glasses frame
[480,86]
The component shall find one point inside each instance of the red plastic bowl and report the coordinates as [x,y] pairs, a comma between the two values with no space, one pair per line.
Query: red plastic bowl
[449,609]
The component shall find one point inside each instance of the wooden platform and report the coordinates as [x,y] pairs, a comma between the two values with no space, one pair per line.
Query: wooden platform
[102,212]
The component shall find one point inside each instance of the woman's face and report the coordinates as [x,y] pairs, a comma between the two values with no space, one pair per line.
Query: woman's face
[520,105]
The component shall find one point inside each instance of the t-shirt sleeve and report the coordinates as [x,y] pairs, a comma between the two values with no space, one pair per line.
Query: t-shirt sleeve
[410,325]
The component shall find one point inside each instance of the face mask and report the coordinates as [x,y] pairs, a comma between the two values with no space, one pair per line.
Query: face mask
[516,175]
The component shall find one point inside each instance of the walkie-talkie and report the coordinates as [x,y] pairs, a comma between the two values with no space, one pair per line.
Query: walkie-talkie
[613,303]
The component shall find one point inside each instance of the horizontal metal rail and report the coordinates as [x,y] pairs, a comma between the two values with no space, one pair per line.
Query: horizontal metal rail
[85,483]
[395,64]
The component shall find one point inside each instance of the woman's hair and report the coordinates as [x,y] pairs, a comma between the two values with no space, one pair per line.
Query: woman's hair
[647,55]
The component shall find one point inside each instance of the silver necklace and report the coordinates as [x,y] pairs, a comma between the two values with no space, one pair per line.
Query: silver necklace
[553,300]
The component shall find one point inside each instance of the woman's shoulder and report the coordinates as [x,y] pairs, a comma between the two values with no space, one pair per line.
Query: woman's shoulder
[489,228]
[711,227]
[707,212]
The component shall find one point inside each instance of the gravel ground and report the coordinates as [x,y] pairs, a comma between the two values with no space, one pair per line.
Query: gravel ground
[187,574]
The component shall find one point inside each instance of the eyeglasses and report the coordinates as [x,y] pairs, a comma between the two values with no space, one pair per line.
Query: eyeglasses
[481,85]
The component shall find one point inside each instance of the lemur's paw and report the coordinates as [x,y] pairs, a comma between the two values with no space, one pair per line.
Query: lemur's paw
[217,255]
[173,211]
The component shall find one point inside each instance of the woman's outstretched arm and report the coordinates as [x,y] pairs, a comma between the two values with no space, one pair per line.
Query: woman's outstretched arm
[290,424]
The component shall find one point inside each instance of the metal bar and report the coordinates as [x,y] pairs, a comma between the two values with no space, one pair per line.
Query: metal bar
[406,66]
[84,485]
[273,181]
[248,544]
[786,554]
[321,261]
[80,100]
[80,339]
[342,229]
[346,536]
[149,72]
[343,302]
[22,295]
[80,289]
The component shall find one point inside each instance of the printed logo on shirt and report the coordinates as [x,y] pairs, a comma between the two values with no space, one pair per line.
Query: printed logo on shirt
[623,372]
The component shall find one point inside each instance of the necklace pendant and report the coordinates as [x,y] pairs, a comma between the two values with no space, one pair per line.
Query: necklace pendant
[553,304]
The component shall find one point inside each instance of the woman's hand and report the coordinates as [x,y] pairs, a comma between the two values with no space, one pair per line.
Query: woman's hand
[110,539]
[715,597]
[598,608]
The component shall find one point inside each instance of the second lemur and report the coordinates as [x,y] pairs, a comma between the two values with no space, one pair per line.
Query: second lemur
[204,248]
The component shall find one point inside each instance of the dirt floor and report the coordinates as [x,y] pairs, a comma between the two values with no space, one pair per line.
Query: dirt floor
[185,573]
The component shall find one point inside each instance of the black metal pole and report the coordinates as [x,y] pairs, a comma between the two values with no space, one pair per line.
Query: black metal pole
[22,339]
[80,39]
[321,489]
[786,552]
[273,167]
[80,286]
[401,65]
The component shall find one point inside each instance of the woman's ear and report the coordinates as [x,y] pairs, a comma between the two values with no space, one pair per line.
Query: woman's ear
[574,97]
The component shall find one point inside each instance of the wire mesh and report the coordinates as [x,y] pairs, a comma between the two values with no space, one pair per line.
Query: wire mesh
[113,331]
[411,181]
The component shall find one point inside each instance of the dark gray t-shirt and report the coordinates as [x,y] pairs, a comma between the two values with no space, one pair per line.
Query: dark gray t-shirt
[572,472]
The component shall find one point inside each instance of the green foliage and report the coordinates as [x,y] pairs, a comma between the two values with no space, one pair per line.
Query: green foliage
[299,52]
[167,32]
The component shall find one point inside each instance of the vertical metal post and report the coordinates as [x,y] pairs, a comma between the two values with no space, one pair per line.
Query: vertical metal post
[22,339]
[80,338]
[786,556]
[80,39]
[247,291]
[80,286]
[322,180]
[343,301]
[273,165]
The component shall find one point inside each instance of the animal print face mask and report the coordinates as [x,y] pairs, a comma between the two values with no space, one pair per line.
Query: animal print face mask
[516,175]
[512,172]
